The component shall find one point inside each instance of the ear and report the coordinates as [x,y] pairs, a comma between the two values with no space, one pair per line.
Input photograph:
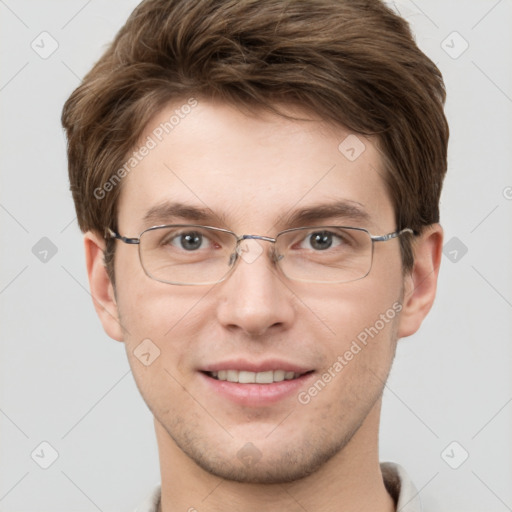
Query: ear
[101,287]
[420,284]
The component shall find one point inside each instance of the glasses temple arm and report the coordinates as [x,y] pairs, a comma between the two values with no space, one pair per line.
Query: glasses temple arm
[389,236]
[110,233]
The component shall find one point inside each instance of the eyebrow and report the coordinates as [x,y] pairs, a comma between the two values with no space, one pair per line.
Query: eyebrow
[340,210]
[344,209]
[165,212]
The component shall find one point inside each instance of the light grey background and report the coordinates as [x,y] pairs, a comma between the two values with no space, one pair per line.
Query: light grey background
[64,382]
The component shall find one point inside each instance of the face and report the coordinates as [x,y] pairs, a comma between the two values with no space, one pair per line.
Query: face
[251,174]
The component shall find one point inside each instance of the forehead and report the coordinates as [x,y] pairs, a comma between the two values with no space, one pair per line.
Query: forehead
[250,169]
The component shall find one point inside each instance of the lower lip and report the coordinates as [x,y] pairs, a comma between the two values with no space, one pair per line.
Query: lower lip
[254,395]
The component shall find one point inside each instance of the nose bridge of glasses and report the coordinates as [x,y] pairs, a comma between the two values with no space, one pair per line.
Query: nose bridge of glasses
[255,237]
[248,251]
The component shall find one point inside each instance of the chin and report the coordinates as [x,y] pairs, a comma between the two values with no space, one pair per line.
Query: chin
[269,465]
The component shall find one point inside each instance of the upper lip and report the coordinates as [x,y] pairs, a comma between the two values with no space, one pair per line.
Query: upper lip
[251,366]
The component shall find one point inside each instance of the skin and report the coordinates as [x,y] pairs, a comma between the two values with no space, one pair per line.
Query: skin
[252,170]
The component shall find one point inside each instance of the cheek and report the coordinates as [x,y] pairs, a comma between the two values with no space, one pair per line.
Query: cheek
[148,308]
[347,309]
[158,343]
[159,319]
[356,357]
[360,320]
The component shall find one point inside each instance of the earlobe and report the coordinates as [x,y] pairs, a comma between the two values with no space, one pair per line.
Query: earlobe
[101,287]
[421,284]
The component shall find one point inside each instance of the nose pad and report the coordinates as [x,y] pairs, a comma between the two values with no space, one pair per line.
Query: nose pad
[276,257]
[233,258]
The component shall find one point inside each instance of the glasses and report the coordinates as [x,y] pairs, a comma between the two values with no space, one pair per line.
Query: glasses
[189,254]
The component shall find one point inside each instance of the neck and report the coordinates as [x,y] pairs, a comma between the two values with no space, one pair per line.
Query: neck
[350,481]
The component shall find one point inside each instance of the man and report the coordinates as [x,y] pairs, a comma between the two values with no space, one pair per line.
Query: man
[258,184]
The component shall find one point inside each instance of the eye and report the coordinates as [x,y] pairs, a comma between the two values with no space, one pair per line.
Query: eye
[190,241]
[321,240]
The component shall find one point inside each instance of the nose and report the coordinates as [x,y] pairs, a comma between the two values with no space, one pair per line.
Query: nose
[255,298]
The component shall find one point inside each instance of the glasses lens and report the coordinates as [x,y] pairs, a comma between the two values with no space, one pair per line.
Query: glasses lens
[186,254]
[325,254]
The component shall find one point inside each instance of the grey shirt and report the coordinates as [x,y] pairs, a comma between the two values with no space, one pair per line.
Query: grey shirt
[396,480]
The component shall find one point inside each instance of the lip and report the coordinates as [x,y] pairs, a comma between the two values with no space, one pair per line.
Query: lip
[262,366]
[256,395]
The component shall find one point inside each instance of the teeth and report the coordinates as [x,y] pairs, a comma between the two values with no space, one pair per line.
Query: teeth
[232,375]
[279,375]
[244,377]
[264,377]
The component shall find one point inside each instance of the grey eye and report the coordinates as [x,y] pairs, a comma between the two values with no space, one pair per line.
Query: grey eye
[190,241]
[321,240]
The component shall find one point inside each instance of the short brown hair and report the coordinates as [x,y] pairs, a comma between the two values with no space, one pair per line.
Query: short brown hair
[353,62]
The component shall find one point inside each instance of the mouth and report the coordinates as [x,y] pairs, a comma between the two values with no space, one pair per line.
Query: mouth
[247,377]
[260,384]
